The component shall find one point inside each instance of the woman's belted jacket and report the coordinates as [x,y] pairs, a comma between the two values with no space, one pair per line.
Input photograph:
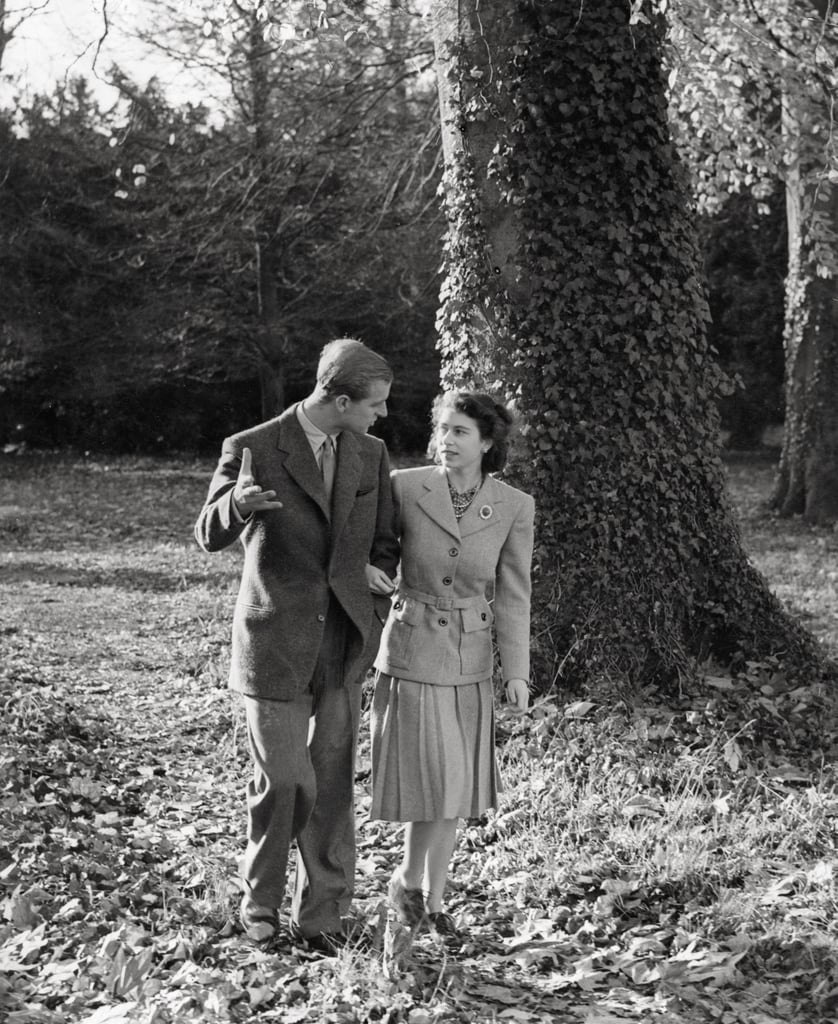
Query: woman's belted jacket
[457,581]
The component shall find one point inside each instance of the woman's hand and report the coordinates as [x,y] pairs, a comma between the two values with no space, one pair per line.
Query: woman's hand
[378,580]
[518,694]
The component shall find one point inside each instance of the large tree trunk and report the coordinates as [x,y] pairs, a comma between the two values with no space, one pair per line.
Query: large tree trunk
[572,282]
[807,478]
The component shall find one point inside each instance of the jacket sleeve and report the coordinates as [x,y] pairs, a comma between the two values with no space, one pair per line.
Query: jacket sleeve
[513,586]
[385,545]
[218,526]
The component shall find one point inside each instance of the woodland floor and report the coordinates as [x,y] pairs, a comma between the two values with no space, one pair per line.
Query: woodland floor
[652,860]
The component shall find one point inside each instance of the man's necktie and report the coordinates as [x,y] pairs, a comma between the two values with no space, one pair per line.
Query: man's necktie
[327,465]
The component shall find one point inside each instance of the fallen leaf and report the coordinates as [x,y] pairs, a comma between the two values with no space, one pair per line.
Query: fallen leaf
[110,1014]
[578,709]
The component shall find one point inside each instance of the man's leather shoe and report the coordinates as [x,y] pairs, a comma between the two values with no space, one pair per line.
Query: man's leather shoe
[259,923]
[324,943]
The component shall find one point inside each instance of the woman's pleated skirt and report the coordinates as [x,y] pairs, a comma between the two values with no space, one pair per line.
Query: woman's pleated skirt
[433,750]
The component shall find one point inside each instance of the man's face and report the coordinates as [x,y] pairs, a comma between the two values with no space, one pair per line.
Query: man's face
[359,416]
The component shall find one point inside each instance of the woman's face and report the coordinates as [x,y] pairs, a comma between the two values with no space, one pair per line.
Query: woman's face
[458,442]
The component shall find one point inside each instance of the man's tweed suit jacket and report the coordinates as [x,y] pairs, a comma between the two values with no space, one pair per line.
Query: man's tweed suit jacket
[296,557]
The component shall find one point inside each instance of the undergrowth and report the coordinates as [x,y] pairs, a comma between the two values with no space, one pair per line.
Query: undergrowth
[653,858]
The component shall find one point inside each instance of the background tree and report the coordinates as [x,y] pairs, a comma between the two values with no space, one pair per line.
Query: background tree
[758,85]
[93,347]
[57,229]
[572,269]
[330,182]
[175,210]
[808,474]
[745,256]
[12,16]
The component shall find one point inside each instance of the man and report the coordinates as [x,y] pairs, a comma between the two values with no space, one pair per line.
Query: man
[308,494]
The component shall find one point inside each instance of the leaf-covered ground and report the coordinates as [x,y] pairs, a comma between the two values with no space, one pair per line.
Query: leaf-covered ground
[652,860]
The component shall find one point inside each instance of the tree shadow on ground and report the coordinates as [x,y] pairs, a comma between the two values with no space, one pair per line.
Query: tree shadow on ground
[120,577]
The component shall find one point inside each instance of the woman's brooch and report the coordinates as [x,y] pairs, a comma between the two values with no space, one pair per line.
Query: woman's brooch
[486,512]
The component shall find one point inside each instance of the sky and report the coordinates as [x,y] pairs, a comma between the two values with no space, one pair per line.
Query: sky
[60,41]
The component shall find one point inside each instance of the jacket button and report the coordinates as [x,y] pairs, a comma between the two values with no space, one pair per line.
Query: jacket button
[443,622]
[483,616]
[453,552]
[447,581]
[321,618]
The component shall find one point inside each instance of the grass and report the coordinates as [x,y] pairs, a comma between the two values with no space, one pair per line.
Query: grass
[651,860]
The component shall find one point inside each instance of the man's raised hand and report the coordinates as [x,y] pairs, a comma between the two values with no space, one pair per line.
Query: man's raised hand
[248,496]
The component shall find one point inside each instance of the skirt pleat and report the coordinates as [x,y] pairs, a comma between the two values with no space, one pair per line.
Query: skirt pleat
[433,750]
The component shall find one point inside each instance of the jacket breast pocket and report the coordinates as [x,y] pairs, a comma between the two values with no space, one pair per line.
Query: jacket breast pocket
[399,638]
[476,641]
[367,484]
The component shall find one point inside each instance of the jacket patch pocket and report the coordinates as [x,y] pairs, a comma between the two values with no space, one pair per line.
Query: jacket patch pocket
[399,638]
[476,641]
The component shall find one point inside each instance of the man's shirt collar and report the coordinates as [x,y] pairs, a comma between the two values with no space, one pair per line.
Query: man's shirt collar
[314,434]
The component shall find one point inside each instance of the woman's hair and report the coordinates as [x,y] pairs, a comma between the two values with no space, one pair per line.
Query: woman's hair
[494,421]
[348,367]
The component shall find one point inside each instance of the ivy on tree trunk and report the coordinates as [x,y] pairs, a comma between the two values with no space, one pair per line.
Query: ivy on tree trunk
[572,283]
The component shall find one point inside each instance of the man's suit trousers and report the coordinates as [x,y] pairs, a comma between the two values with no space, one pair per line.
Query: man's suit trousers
[305,791]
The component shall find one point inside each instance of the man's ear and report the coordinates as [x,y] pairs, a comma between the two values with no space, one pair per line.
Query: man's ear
[342,403]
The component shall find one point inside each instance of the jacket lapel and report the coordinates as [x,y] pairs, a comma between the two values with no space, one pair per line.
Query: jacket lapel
[347,476]
[436,502]
[299,458]
[483,512]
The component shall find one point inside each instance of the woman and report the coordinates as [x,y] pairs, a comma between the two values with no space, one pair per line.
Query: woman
[466,550]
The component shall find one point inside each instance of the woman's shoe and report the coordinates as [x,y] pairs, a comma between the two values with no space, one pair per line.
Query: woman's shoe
[409,904]
[259,923]
[442,925]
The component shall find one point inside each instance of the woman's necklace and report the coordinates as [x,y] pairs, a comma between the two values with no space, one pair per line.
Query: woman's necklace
[462,501]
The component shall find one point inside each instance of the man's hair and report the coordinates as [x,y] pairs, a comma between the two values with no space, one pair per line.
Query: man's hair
[348,367]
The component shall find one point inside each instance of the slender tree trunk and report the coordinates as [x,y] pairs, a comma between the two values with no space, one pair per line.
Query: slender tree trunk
[6,32]
[807,478]
[273,341]
[573,285]
[272,389]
